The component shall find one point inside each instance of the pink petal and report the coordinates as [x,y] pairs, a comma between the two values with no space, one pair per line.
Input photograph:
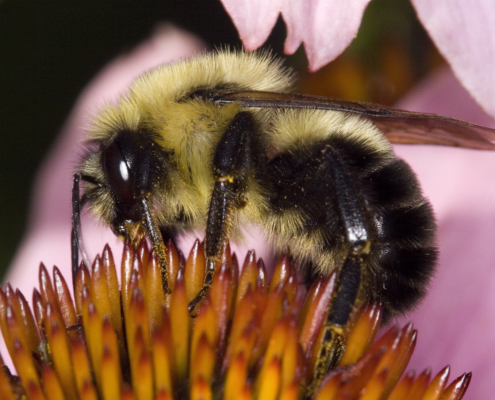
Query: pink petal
[464,32]
[47,239]
[294,12]
[326,27]
[254,19]
[456,322]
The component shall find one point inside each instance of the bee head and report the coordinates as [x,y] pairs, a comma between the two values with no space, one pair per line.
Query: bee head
[132,164]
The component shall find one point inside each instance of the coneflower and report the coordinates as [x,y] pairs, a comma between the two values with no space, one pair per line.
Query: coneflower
[252,337]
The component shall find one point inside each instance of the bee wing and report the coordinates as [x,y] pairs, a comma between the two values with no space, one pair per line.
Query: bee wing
[399,126]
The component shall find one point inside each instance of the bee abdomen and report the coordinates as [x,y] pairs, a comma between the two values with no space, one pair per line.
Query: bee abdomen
[400,222]
[405,253]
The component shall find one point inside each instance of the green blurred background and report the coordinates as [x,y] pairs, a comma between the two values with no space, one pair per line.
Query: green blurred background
[49,51]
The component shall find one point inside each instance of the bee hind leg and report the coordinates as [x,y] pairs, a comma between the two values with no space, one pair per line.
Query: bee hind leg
[356,236]
[232,165]
[339,310]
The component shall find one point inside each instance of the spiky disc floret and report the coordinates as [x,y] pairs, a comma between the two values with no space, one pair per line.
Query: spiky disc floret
[252,338]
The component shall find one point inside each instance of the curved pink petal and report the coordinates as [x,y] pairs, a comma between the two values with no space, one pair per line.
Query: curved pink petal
[49,228]
[456,321]
[297,17]
[464,32]
[326,27]
[254,19]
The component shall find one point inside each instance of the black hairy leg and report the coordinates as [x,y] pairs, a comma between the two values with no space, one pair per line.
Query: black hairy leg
[319,185]
[356,236]
[339,310]
[326,194]
[77,245]
[76,227]
[232,165]
[157,242]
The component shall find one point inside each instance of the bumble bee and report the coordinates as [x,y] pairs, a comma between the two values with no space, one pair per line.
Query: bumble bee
[218,142]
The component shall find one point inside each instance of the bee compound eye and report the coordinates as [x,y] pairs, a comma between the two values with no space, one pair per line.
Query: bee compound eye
[119,173]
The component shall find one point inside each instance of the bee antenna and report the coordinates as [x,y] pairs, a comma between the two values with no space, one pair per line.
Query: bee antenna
[77,244]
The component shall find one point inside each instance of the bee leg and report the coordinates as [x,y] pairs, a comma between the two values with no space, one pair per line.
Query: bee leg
[77,244]
[353,217]
[232,164]
[76,227]
[339,309]
[157,241]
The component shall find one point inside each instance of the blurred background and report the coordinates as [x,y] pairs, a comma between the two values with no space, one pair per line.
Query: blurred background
[50,50]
